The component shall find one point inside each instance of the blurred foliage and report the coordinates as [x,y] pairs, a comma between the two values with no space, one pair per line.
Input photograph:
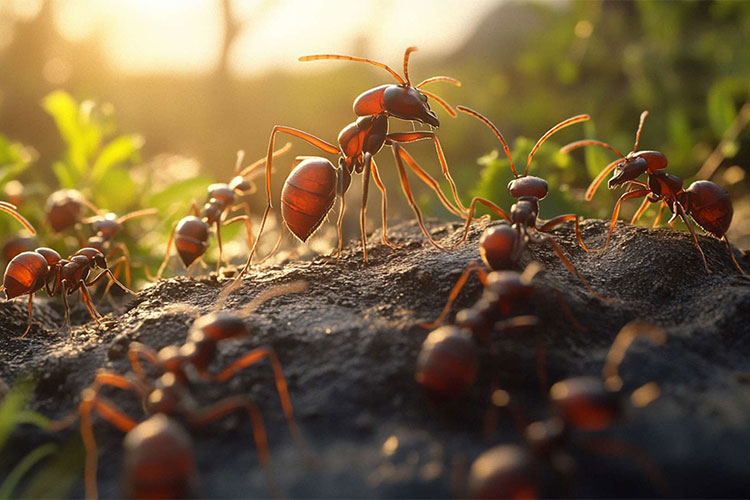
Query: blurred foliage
[36,464]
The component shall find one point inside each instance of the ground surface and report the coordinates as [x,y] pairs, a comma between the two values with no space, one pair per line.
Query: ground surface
[349,345]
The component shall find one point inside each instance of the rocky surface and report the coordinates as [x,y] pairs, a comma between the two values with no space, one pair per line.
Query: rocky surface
[349,344]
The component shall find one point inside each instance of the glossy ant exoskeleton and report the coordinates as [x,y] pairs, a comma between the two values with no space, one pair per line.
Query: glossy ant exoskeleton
[64,208]
[501,246]
[190,234]
[310,190]
[165,391]
[448,361]
[29,272]
[543,466]
[708,204]
[11,209]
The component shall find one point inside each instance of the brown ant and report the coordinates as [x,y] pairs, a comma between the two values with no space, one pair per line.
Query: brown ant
[708,204]
[64,208]
[11,209]
[190,234]
[581,403]
[312,187]
[168,400]
[29,272]
[449,359]
[502,246]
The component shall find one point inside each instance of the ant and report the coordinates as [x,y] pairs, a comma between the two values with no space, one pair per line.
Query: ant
[11,209]
[581,403]
[167,400]
[29,272]
[708,204]
[310,190]
[64,207]
[190,234]
[502,246]
[449,359]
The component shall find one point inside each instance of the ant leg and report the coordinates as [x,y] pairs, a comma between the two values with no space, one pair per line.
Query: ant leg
[311,139]
[683,216]
[221,248]
[616,212]
[475,266]
[248,221]
[410,197]
[342,208]
[571,267]
[599,178]
[282,389]
[731,254]
[641,210]
[112,277]
[383,205]
[66,306]
[619,347]
[418,136]
[135,351]
[363,211]
[560,219]
[225,406]
[657,220]
[616,447]
[88,301]
[28,325]
[166,253]
[470,217]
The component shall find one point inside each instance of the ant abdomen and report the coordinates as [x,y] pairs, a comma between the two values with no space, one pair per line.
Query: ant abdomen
[191,238]
[26,273]
[710,206]
[308,196]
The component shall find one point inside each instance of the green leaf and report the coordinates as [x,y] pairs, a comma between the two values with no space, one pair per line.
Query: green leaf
[721,109]
[11,405]
[116,191]
[23,467]
[176,198]
[118,151]
[65,175]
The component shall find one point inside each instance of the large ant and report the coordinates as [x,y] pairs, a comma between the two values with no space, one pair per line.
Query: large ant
[581,403]
[311,189]
[708,204]
[501,247]
[166,398]
[11,209]
[28,272]
[190,234]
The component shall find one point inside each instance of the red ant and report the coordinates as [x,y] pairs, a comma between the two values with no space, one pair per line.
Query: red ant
[11,209]
[28,272]
[581,403]
[190,234]
[311,189]
[708,204]
[167,399]
[449,359]
[64,209]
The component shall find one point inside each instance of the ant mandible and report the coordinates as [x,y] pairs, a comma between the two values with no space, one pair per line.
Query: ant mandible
[502,246]
[585,403]
[708,204]
[190,234]
[167,400]
[312,187]
[11,209]
[29,272]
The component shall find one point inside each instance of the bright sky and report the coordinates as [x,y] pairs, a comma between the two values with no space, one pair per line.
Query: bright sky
[145,36]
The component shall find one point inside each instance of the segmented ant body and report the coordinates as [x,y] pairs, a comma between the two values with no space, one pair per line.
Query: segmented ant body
[29,272]
[310,190]
[708,204]
[501,247]
[449,359]
[64,209]
[190,234]
[543,466]
[167,399]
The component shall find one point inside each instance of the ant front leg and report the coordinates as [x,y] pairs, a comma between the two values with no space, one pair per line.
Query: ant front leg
[472,267]
[548,225]
[384,205]
[136,350]
[418,136]
[424,176]
[123,261]
[282,388]
[87,300]
[470,217]
[363,211]
[163,265]
[311,139]
[636,193]
[28,325]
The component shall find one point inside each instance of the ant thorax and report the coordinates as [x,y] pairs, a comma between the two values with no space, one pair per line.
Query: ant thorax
[525,211]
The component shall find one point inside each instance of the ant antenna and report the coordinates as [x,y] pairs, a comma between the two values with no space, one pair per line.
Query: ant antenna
[293,287]
[494,129]
[440,78]
[447,107]
[136,214]
[559,126]
[638,132]
[319,57]
[11,209]
[240,159]
[408,52]
[620,345]
[532,269]
[262,161]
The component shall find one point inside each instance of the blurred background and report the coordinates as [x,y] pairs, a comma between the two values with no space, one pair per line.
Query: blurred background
[144,103]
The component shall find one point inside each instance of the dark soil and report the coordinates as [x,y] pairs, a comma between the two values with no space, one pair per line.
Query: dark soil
[349,344]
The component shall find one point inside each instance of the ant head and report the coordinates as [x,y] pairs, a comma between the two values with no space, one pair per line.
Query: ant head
[505,471]
[94,256]
[63,209]
[627,170]
[108,225]
[221,325]
[496,246]
[221,192]
[448,362]
[585,402]
[528,185]
[408,103]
